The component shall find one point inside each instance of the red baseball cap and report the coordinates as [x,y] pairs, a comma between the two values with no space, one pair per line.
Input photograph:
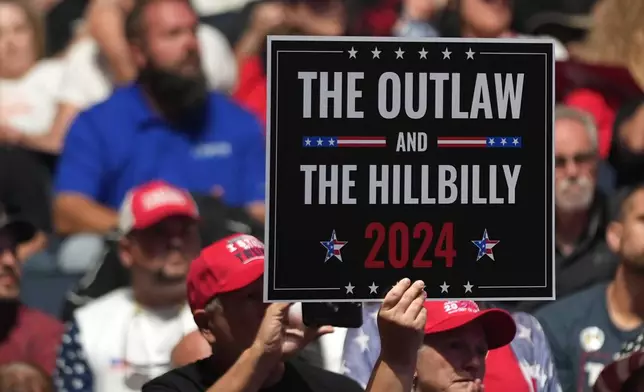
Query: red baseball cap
[148,204]
[227,265]
[498,325]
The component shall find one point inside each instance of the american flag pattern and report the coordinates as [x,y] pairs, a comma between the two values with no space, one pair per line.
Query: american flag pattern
[362,347]
[344,141]
[72,373]
[479,142]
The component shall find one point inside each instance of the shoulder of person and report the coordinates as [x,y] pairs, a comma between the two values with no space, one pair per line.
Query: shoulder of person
[235,115]
[324,380]
[574,308]
[194,377]
[47,74]
[107,306]
[30,317]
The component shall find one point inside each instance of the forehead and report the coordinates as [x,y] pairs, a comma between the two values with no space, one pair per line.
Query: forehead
[167,14]
[571,135]
[11,14]
[635,203]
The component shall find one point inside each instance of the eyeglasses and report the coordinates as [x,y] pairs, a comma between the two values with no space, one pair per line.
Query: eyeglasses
[577,159]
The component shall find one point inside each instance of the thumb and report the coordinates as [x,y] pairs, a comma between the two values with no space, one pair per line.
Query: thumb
[279,309]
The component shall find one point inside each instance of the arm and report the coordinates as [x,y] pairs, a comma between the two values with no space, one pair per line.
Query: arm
[78,183]
[386,378]
[254,178]
[52,141]
[72,370]
[106,21]
[45,344]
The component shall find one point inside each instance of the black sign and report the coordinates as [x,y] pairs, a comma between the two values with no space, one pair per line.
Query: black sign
[427,159]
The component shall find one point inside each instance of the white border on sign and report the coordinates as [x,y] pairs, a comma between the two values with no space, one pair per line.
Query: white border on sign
[269,86]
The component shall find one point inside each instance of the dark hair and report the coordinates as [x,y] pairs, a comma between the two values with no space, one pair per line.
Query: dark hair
[134,24]
[620,201]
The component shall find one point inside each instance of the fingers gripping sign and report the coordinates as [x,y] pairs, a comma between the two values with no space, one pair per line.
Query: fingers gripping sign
[401,321]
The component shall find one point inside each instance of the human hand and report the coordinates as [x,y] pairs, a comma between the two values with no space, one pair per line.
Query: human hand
[9,135]
[328,19]
[401,323]
[298,335]
[631,131]
[268,17]
[477,386]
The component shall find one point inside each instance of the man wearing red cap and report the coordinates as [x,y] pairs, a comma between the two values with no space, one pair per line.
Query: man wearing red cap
[121,340]
[253,339]
[461,322]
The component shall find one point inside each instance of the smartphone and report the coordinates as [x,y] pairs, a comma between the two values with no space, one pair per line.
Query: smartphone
[337,314]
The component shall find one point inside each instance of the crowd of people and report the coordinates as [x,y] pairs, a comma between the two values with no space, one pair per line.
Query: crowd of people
[132,170]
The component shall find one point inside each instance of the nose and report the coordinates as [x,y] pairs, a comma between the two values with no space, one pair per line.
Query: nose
[474,364]
[571,168]
[8,258]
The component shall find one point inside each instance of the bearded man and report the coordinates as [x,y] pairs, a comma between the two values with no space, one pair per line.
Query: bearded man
[581,214]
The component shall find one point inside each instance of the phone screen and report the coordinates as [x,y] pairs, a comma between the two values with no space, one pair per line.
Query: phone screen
[337,314]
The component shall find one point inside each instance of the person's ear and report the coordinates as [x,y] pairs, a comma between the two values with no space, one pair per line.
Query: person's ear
[614,236]
[125,252]
[204,323]
[138,55]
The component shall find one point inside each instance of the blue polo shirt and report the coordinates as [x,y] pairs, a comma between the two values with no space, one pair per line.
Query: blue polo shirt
[121,143]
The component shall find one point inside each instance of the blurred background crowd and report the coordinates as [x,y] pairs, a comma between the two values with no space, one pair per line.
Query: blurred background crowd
[77,138]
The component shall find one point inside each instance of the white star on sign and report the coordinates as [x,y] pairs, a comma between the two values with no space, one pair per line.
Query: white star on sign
[373,289]
[444,287]
[331,142]
[349,288]
[423,54]
[446,53]
[307,142]
[491,141]
[399,53]
[320,141]
[468,287]
[376,53]
[362,340]
[470,54]
[515,141]
[352,53]
[503,141]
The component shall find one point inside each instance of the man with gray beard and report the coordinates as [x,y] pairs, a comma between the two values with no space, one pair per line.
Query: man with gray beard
[582,257]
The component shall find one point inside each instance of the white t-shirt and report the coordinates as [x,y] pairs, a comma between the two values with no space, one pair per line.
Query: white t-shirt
[86,79]
[29,104]
[120,343]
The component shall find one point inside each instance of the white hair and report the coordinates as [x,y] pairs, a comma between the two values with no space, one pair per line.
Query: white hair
[564,112]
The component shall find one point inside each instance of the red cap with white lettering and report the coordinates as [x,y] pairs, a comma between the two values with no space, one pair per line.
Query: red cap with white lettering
[148,204]
[498,325]
[227,265]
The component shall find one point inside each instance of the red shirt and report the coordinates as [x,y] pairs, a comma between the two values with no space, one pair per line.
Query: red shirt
[251,90]
[34,338]
[503,373]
